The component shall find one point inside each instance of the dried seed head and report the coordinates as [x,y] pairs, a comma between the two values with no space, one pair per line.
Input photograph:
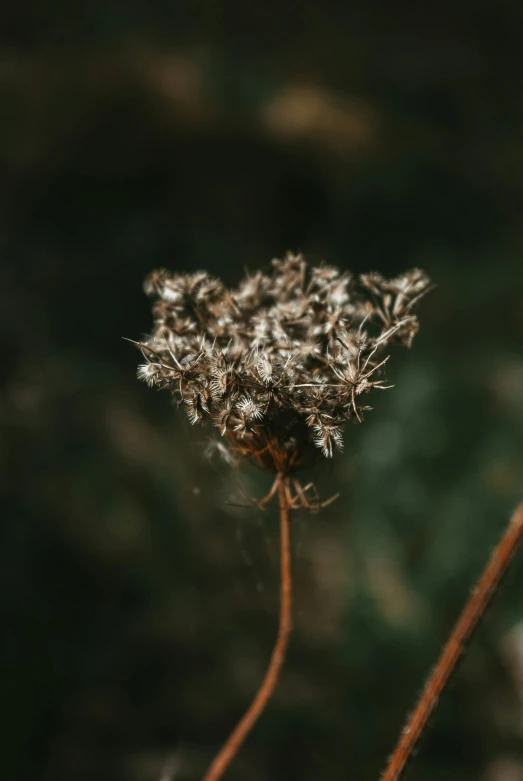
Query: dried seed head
[281,363]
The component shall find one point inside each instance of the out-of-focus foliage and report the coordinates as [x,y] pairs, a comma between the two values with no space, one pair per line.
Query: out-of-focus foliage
[139,604]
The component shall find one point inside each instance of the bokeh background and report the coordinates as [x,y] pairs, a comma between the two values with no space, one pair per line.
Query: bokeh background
[139,602]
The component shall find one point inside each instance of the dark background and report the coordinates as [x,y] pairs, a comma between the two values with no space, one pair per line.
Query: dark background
[138,606]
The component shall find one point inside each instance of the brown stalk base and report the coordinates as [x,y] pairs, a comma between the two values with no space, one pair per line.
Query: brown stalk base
[231,747]
[472,612]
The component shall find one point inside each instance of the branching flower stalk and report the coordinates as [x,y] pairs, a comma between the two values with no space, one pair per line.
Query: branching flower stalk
[278,366]
[455,646]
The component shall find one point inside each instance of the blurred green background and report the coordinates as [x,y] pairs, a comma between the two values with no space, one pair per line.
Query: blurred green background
[139,604]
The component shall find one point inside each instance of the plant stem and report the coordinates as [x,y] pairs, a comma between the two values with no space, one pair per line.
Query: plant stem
[231,747]
[467,622]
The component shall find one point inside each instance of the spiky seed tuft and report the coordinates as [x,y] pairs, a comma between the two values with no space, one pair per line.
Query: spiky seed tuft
[281,363]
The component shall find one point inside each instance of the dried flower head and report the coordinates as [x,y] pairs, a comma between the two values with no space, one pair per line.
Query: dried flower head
[281,363]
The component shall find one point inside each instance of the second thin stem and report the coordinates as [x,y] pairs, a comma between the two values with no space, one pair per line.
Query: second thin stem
[467,622]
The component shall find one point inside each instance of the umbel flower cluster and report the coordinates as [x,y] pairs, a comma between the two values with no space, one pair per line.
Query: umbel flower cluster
[282,362]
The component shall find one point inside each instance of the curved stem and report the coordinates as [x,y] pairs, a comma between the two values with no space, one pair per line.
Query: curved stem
[467,622]
[231,747]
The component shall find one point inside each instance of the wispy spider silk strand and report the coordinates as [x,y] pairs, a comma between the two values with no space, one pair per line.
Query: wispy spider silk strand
[465,626]
[244,726]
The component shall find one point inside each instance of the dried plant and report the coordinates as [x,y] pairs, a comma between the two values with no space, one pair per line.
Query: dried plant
[278,365]
[281,363]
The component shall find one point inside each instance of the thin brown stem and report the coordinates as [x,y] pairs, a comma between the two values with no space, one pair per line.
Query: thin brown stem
[231,747]
[467,622]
